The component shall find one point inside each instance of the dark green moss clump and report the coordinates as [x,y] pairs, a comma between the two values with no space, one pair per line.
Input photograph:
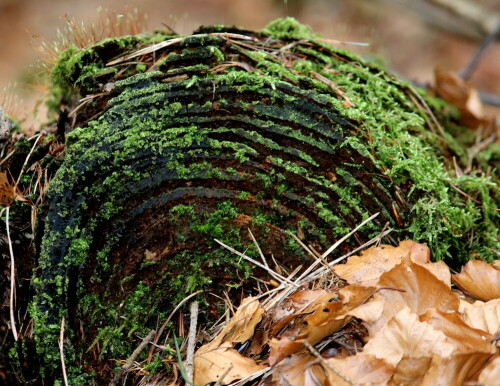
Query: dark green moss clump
[204,136]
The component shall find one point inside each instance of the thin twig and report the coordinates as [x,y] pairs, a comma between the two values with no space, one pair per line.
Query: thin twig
[130,361]
[224,374]
[325,363]
[61,351]
[29,155]
[12,276]
[162,328]
[191,341]
[467,71]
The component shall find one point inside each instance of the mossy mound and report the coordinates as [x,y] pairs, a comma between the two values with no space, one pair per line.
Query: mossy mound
[181,140]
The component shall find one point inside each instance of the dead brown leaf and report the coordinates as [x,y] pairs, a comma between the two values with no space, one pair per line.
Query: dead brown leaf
[211,364]
[411,371]
[455,370]
[322,322]
[359,369]
[490,375]
[463,337]
[480,315]
[453,89]
[299,303]
[367,268]
[213,359]
[242,325]
[299,370]
[413,286]
[404,335]
[7,191]
[479,279]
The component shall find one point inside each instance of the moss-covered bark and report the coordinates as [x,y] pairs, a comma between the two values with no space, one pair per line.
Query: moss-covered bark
[187,139]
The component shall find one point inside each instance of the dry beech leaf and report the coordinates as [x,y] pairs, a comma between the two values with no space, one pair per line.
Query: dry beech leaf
[366,302]
[405,335]
[242,325]
[299,370]
[321,323]
[479,279]
[359,369]
[411,285]
[456,370]
[213,359]
[496,264]
[326,318]
[440,270]
[299,303]
[7,191]
[371,311]
[490,376]
[480,315]
[463,337]
[210,365]
[367,268]
[411,371]
[453,89]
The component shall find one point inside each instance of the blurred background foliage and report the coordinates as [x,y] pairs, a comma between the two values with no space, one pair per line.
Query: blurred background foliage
[410,37]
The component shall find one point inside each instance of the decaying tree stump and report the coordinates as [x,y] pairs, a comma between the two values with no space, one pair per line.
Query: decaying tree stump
[165,143]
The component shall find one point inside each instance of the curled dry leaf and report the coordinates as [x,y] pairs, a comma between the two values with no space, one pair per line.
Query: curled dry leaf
[491,373]
[299,303]
[213,359]
[242,325]
[479,279]
[463,337]
[326,318]
[359,369]
[405,335]
[480,315]
[411,371]
[413,286]
[371,311]
[456,369]
[324,321]
[367,268]
[299,370]
[7,191]
[212,365]
[453,89]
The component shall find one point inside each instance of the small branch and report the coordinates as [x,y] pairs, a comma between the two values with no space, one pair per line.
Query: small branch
[467,71]
[162,328]
[191,341]
[130,361]
[224,374]
[61,351]
[12,277]
[469,10]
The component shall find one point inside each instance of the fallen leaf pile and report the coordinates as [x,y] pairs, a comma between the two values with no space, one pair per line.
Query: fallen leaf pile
[392,318]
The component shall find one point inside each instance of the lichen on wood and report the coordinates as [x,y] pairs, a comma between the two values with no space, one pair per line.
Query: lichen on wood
[175,141]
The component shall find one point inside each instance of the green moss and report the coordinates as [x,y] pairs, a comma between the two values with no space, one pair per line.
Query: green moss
[289,29]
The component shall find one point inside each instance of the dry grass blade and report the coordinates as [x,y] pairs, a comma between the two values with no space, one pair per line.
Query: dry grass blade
[166,43]
[275,274]
[12,277]
[81,35]
[162,328]
[61,351]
